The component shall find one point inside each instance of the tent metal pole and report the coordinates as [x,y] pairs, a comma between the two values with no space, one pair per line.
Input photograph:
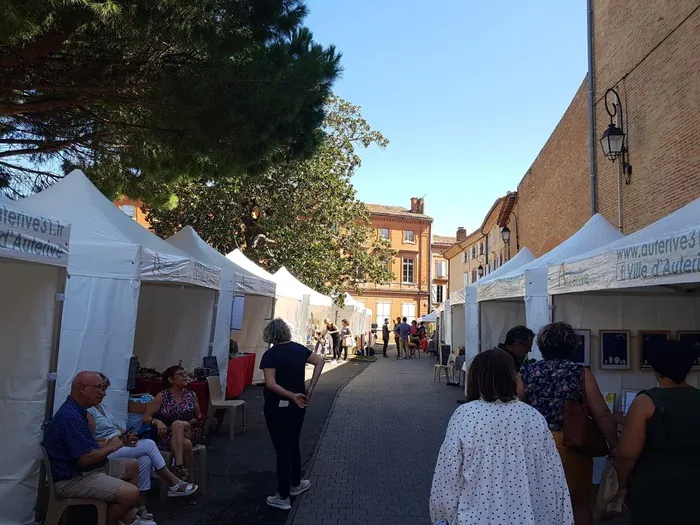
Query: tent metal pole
[55,343]
[215,313]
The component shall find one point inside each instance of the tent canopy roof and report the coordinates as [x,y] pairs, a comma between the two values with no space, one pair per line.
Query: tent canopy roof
[663,253]
[282,289]
[237,278]
[316,299]
[96,222]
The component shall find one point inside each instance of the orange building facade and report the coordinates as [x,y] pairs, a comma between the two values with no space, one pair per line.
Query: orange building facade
[133,209]
[409,293]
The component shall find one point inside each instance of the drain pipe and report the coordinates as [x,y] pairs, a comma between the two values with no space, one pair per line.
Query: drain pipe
[591,112]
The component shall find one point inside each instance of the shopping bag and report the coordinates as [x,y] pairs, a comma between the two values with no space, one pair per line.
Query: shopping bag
[608,502]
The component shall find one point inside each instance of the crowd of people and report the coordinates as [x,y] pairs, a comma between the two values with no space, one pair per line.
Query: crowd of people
[506,459]
[410,339]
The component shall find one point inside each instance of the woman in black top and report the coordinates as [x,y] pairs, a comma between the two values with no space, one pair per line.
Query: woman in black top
[333,331]
[286,399]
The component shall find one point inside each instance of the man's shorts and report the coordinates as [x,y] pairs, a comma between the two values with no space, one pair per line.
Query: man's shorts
[101,484]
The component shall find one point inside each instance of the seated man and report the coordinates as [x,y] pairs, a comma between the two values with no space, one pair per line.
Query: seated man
[79,465]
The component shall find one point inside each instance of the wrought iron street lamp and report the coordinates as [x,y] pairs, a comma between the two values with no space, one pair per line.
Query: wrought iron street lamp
[480,271]
[613,139]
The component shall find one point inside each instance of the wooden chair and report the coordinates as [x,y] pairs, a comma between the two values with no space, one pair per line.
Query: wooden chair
[218,402]
[199,474]
[57,505]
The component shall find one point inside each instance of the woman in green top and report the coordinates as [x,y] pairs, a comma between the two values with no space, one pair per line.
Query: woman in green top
[658,455]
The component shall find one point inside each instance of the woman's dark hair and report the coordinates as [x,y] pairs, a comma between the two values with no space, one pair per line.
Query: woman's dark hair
[672,359]
[169,373]
[557,341]
[492,377]
[345,321]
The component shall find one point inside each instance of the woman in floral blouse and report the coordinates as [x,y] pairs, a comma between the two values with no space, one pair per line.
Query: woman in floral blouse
[545,385]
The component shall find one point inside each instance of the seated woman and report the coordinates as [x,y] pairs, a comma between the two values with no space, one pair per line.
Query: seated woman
[144,451]
[175,413]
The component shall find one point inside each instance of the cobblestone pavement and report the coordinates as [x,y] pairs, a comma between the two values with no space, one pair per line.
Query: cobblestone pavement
[375,462]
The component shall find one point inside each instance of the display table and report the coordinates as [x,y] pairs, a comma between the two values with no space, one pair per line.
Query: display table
[154,387]
[240,374]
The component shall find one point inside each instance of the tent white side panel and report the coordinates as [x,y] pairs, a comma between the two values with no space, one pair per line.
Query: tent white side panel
[627,312]
[315,317]
[173,325]
[98,327]
[447,323]
[497,317]
[471,322]
[458,333]
[290,310]
[26,328]
[222,334]
[256,315]
[537,312]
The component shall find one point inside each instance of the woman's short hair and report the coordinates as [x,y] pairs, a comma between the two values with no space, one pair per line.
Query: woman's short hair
[557,341]
[105,380]
[277,331]
[672,359]
[169,374]
[492,377]
[344,321]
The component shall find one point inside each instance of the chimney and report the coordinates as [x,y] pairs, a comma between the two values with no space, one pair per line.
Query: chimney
[421,206]
[461,233]
[414,205]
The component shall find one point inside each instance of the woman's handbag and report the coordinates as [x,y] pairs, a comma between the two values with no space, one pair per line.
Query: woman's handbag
[608,503]
[348,341]
[580,431]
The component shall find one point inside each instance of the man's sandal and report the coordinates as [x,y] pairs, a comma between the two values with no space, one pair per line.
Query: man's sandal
[182,489]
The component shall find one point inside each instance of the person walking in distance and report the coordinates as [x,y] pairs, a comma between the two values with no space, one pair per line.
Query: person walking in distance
[332,330]
[397,337]
[385,336]
[404,334]
[286,398]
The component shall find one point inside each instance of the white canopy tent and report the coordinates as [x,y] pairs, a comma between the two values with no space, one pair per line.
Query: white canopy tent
[33,259]
[472,307]
[354,312]
[454,309]
[520,296]
[648,280]
[236,282]
[429,318]
[129,292]
[288,302]
[319,306]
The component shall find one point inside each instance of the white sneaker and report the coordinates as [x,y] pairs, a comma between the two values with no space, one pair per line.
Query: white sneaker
[304,485]
[279,503]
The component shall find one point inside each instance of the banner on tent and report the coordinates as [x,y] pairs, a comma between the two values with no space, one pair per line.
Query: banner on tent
[505,288]
[32,238]
[667,260]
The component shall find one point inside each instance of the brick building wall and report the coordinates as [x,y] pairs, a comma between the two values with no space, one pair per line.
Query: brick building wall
[650,52]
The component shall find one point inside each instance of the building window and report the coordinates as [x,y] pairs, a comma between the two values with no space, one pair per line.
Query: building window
[409,236]
[408,271]
[383,312]
[481,248]
[465,258]
[474,276]
[440,293]
[440,269]
[129,209]
[467,279]
[408,310]
[384,233]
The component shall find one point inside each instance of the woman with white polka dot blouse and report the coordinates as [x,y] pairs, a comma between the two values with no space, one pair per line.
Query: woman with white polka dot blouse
[498,463]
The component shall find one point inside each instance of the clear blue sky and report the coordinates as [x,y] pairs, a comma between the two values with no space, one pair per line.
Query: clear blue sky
[467,92]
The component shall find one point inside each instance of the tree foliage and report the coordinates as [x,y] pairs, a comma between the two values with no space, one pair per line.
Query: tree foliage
[144,92]
[302,215]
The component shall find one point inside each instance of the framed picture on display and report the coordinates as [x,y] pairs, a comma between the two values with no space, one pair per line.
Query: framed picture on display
[582,353]
[628,396]
[692,337]
[615,349]
[648,341]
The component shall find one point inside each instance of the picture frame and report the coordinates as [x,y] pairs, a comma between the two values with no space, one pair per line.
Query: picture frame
[647,340]
[691,337]
[626,399]
[615,350]
[582,353]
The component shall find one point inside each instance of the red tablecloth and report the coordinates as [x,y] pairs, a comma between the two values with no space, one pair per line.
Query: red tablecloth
[154,386]
[240,373]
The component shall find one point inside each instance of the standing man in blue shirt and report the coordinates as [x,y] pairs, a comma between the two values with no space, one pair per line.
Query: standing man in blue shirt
[79,465]
[404,333]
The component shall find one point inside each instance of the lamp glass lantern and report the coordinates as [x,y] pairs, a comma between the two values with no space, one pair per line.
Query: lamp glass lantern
[613,142]
[505,234]
[480,271]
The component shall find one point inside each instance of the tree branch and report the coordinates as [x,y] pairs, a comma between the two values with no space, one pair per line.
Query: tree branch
[50,147]
[42,46]
[35,107]
[28,170]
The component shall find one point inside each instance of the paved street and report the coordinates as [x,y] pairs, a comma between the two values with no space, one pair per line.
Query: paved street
[375,461]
